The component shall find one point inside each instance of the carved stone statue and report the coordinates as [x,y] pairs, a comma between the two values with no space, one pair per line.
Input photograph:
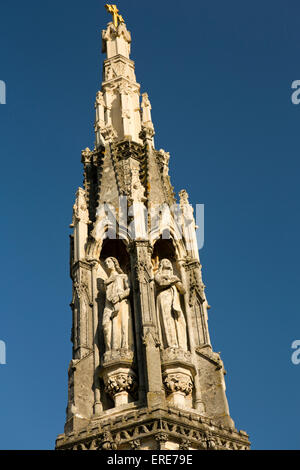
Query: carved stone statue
[170,315]
[117,321]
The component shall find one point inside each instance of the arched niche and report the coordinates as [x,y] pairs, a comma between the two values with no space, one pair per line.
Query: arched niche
[166,249]
[117,249]
[163,248]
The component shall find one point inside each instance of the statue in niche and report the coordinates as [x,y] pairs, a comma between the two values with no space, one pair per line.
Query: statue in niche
[170,315]
[117,321]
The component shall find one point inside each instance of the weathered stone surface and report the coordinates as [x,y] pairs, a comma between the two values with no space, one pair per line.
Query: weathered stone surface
[143,373]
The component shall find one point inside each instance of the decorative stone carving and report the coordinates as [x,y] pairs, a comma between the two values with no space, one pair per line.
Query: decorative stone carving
[210,441]
[184,444]
[147,125]
[117,321]
[137,189]
[107,442]
[100,119]
[114,355]
[116,40]
[108,133]
[136,444]
[118,68]
[146,107]
[120,380]
[169,427]
[188,225]
[127,158]
[150,337]
[164,158]
[147,132]
[179,378]
[80,209]
[81,304]
[175,354]
[86,153]
[178,382]
[81,283]
[100,99]
[119,384]
[161,437]
[170,315]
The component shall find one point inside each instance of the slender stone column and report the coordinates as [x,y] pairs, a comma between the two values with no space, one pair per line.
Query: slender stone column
[199,402]
[97,393]
[150,365]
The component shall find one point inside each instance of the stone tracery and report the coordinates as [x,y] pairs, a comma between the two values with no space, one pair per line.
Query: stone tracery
[143,373]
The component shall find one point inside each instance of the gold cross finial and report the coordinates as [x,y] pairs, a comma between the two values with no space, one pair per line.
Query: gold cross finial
[115,14]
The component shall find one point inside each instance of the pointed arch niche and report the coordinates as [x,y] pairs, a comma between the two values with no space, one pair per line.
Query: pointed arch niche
[165,249]
[117,249]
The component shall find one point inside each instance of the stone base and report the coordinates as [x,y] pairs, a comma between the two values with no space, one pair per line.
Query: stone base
[178,377]
[155,429]
[119,377]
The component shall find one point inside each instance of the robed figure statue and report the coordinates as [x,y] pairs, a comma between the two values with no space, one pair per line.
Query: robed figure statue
[170,316]
[117,320]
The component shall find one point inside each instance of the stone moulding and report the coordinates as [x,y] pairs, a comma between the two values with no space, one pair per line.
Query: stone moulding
[143,373]
[185,429]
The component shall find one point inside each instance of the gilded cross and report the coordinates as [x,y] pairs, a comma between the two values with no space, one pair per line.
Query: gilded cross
[115,14]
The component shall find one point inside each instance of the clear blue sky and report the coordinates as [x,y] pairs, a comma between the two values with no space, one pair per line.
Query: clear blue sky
[218,75]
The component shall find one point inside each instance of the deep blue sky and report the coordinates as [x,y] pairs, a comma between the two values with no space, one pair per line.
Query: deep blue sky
[218,76]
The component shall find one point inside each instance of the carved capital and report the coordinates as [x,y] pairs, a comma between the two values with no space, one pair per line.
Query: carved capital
[178,382]
[121,382]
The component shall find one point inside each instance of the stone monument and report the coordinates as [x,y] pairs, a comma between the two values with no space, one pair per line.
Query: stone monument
[143,373]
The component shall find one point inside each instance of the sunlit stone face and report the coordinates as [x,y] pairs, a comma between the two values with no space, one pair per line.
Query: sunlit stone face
[109,264]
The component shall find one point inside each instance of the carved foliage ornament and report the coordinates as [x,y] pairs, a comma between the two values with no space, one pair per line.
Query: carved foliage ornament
[107,442]
[178,382]
[81,285]
[121,382]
